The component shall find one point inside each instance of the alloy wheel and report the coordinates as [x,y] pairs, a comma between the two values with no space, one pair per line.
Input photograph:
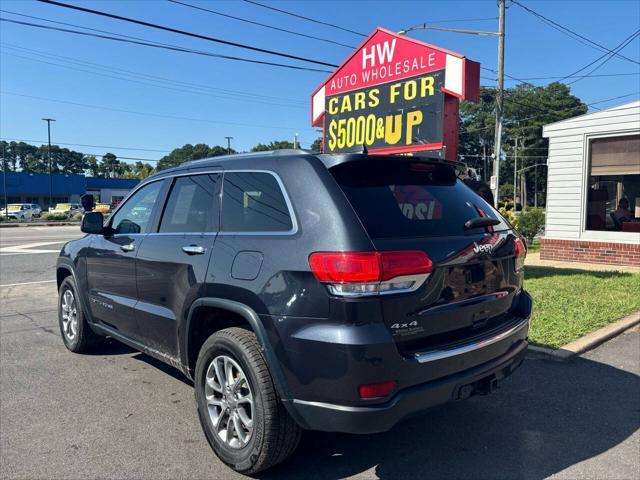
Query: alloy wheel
[69,315]
[229,401]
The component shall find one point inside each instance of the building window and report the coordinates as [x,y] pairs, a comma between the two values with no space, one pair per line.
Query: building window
[613,198]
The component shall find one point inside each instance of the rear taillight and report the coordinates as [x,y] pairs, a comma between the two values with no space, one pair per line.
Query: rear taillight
[520,253]
[377,390]
[370,273]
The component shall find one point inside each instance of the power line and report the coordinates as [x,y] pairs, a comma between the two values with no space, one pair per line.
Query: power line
[585,76]
[187,33]
[165,46]
[148,114]
[614,98]
[240,19]
[547,113]
[269,7]
[133,80]
[571,33]
[87,145]
[608,56]
[146,75]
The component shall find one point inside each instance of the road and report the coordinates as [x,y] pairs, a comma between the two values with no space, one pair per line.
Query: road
[40,245]
[121,414]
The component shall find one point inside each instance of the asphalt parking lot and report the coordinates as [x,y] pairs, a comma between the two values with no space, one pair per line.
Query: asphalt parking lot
[121,414]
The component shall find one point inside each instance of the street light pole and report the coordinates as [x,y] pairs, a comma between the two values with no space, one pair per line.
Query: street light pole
[499,98]
[500,88]
[4,182]
[515,170]
[49,120]
[229,144]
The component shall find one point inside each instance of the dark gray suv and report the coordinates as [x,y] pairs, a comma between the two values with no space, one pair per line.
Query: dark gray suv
[299,291]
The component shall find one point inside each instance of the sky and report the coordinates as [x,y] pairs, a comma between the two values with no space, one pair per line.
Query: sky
[143,102]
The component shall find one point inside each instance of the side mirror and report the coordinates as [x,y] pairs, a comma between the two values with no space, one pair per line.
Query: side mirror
[87,202]
[92,222]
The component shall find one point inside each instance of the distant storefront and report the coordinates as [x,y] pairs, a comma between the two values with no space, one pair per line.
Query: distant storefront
[593,190]
[24,187]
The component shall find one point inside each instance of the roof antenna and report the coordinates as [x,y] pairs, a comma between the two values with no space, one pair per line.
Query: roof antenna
[364,150]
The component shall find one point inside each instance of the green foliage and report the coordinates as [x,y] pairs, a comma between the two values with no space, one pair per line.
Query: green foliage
[569,304]
[31,158]
[139,170]
[531,223]
[275,145]
[316,146]
[76,217]
[526,109]
[54,216]
[190,152]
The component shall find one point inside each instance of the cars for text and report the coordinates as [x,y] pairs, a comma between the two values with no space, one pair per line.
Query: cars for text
[303,292]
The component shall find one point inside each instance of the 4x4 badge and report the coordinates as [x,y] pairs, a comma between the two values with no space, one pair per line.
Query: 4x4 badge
[484,248]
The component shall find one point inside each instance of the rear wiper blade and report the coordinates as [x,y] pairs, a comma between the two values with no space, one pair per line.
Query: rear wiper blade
[481,222]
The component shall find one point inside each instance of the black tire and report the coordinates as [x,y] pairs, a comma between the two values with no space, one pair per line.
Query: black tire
[83,339]
[275,434]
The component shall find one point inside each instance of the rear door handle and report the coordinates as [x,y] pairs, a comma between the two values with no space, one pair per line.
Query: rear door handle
[193,250]
[128,248]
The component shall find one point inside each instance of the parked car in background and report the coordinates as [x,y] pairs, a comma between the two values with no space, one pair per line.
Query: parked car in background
[68,209]
[104,208]
[22,211]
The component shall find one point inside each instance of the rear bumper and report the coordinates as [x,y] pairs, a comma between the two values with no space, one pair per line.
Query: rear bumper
[410,401]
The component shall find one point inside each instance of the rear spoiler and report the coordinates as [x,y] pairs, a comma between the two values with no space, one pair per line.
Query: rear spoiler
[436,156]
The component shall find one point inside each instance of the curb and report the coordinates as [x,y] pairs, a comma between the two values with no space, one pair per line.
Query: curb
[591,340]
[37,224]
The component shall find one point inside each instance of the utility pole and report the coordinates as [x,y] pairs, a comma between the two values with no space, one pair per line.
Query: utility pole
[515,171]
[484,162]
[535,188]
[229,144]
[4,182]
[49,120]
[499,99]
[500,35]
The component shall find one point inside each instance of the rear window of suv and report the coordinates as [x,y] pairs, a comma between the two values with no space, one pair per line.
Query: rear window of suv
[407,199]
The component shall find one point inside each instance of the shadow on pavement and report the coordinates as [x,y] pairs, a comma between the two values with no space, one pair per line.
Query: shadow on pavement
[548,416]
[168,369]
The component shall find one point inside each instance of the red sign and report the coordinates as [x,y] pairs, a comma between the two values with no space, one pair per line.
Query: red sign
[395,94]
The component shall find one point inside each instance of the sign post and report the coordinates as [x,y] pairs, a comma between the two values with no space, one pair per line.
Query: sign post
[395,95]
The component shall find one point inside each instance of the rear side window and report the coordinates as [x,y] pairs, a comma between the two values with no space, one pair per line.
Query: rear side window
[254,202]
[193,205]
[402,199]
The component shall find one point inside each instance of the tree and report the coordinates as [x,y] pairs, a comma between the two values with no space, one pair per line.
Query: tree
[316,146]
[111,167]
[140,171]
[275,145]
[92,165]
[190,152]
[526,109]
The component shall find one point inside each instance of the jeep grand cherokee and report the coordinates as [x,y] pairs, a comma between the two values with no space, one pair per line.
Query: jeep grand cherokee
[300,291]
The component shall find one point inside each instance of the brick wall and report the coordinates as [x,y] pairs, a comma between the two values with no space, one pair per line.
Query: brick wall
[590,252]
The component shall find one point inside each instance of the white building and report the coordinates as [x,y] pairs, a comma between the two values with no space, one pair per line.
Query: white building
[593,173]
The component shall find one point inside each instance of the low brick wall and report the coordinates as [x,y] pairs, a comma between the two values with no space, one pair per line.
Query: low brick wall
[590,252]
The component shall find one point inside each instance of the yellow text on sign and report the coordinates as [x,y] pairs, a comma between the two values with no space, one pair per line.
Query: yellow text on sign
[366,130]
[409,90]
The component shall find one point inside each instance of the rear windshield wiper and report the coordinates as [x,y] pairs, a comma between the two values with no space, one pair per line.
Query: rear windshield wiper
[481,222]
